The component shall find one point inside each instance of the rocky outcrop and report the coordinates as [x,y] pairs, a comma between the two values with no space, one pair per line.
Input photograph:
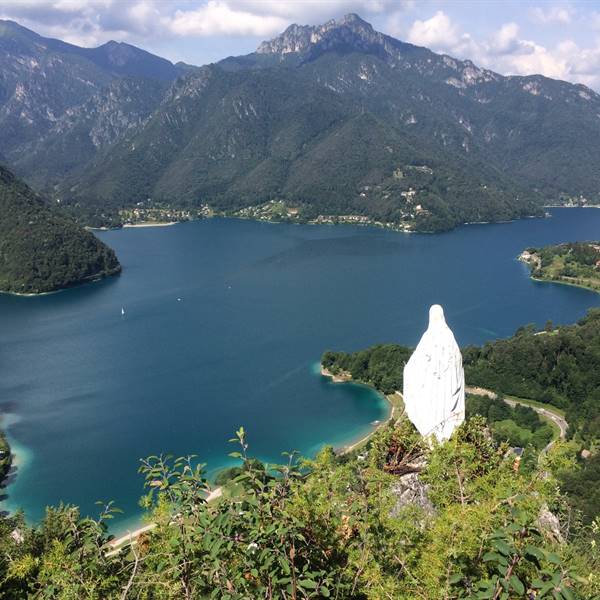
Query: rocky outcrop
[410,490]
[549,523]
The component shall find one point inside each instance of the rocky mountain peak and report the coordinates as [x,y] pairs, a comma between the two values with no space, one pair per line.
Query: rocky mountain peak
[120,54]
[18,39]
[348,30]
[354,21]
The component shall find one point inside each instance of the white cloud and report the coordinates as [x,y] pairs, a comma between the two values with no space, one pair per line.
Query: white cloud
[92,21]
[508,52]
[506,39]
[218,18]
[316,11]
[538,59]
[268,17]
[554,15]
[437,32]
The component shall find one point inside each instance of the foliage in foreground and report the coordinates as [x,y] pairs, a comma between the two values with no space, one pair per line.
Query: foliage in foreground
[334,527]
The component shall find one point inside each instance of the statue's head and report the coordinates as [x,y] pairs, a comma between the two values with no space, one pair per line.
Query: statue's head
[436,315]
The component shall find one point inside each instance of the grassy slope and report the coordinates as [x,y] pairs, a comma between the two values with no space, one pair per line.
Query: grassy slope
[570,264]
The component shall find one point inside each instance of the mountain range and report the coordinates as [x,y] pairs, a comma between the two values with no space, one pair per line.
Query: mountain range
[326,121]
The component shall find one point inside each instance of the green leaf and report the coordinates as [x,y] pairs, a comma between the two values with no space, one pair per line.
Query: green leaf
[553,558]
[544,590]
[494,556]
[502,547]
[535,552]
[517,585]
[567,593]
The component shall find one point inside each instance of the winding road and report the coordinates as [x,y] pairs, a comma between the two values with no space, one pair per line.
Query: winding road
[546,412]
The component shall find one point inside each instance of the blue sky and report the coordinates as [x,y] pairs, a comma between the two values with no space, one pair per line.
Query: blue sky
[557,39]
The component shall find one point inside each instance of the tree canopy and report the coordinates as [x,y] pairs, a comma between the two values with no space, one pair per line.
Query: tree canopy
[42,249]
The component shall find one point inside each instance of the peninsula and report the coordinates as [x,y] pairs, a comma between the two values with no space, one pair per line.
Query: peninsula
[573,263]
[41,248]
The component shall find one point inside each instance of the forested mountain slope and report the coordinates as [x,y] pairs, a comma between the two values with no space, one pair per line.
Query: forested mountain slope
[41,249]
[336,119]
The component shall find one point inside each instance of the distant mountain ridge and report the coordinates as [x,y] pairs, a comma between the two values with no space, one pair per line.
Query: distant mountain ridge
[43,79]
[117,58]
[327,121]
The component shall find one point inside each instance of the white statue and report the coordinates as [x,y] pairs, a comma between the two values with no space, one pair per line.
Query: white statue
[434,380]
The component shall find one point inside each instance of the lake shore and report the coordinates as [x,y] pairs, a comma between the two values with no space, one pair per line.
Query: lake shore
[130,537]
[126,536]
[134,225]
[564,206]
[533,261]
[395,401]
[562,282]
[86,281]
[150,224]
[31,295]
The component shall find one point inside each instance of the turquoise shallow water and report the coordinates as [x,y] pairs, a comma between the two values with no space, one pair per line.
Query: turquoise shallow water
[93,391]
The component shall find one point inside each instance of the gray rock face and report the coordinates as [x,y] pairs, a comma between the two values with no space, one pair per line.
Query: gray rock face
[434,380]
[548,522]
[82,131]
[409,489]
[44,81]
[350,29]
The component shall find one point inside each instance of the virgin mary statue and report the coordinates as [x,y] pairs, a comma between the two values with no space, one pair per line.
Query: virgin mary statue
[434,380]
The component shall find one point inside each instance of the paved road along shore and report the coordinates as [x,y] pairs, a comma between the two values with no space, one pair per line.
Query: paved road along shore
[547,412]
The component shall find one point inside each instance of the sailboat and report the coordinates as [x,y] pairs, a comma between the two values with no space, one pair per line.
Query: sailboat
[122,311]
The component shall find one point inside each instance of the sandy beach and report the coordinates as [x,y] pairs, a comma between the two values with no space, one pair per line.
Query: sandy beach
[151,224]
[131,536]
[392,400]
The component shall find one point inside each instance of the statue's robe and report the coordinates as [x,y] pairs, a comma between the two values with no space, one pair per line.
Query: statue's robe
[434,380]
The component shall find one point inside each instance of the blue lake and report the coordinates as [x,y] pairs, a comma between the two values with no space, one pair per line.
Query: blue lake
[224,323]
